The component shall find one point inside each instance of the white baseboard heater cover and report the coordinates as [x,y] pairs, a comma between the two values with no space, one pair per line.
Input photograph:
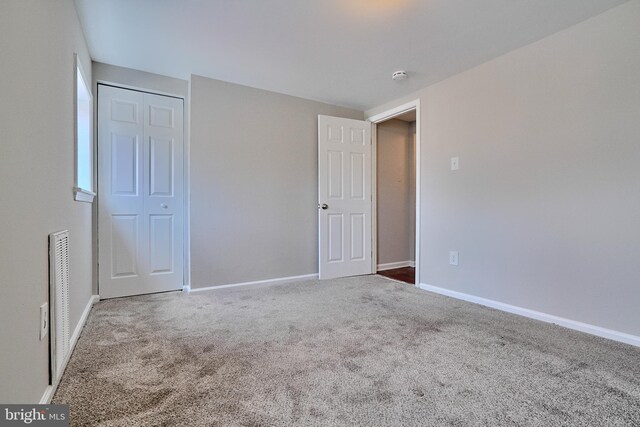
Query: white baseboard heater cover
[58,302]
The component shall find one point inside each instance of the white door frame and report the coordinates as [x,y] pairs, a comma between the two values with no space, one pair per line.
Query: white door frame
[186,240]
[375,119]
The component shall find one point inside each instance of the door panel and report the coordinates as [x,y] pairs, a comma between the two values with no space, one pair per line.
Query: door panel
[125,111]
[358,234]
[161,173]
[335,178]
[358,136]
[140,216]
[124,249]
[161,243]
[358,170]
[336,237]
[124,164]
[161,116]
[120,228]
[163,199]
[344,177]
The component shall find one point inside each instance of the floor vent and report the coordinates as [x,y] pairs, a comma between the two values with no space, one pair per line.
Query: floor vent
[58,301]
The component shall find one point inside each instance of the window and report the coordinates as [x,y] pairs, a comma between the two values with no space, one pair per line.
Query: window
[83,190]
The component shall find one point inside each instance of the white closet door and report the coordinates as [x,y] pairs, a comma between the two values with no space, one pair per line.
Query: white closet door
[140,188]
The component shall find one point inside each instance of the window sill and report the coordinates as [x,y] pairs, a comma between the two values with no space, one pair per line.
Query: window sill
[82,195]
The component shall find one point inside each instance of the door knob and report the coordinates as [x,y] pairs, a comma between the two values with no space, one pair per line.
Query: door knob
[163,206]
[324,206]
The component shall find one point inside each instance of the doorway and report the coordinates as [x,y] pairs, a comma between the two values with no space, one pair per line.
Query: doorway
[396,193]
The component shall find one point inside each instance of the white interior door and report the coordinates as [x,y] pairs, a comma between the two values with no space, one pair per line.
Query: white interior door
[140,187]
[344,205]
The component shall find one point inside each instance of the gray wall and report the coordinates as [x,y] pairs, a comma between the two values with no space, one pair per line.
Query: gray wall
[135,79]
[37,43]
[395,191]
[254,189]
[139,79]
[545,209]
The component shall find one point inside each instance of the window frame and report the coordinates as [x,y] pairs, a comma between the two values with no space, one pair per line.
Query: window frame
[82,194]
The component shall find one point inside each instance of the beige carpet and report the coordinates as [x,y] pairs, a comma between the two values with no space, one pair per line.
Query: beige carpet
[360,351]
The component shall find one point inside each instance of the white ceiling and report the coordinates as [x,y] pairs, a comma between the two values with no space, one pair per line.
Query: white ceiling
[337,51]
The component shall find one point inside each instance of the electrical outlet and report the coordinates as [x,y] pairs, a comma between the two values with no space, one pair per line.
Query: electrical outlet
[455,163]
[453,257]
[44,320]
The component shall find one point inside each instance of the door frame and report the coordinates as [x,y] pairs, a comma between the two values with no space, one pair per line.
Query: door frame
[375,119]
[186,255]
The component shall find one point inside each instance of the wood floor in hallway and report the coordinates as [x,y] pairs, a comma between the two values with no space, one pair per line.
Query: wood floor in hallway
[404,274]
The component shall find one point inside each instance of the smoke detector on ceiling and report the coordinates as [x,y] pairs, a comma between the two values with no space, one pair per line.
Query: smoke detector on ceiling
[399,75]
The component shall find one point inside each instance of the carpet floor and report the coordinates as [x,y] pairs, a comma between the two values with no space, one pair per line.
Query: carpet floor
[361,351]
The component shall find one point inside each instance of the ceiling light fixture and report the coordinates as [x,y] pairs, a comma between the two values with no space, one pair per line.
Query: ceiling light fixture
[399,75]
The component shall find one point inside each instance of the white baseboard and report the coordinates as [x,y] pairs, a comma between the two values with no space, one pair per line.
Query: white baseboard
[51,389]
[549,318]
[186,288]
[392,265]
[83,319]
[48,395]
[276,281]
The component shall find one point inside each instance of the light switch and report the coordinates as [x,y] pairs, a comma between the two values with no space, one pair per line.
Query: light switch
[455,163]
